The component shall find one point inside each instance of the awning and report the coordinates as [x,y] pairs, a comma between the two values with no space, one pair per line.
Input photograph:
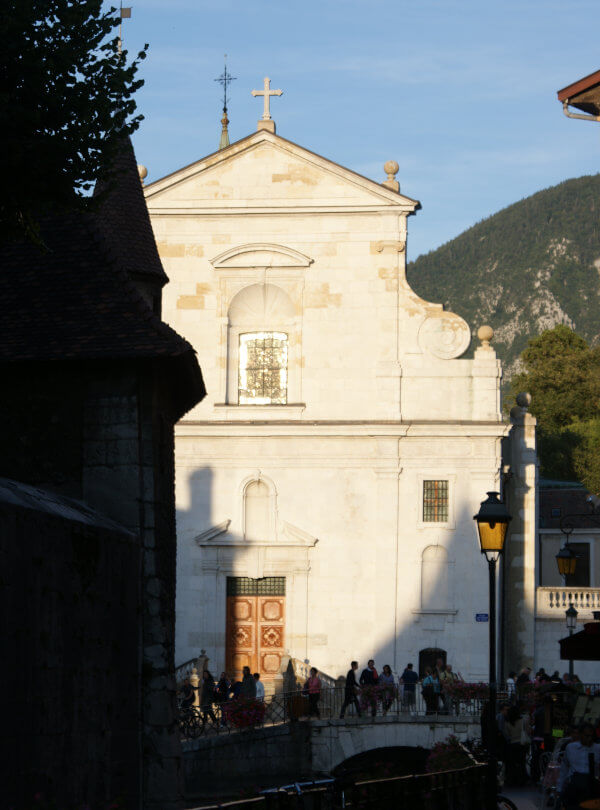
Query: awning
[582,646]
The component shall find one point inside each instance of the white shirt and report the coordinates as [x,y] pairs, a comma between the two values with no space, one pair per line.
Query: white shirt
[260,690]
[576,760]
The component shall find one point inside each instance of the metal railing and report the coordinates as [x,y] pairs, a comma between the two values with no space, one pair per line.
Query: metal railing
[237,714]
[461,789]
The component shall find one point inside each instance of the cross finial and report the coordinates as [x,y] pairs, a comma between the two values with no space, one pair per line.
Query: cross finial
[225,78]
[266,122]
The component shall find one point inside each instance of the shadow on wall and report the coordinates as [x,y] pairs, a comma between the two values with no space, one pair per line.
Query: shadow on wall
[439,622]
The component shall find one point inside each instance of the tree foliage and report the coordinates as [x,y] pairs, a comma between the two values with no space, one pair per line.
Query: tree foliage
[66,98]
[562,374]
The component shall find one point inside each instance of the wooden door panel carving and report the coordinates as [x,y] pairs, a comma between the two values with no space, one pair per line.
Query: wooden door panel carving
[271,634]
[255,635]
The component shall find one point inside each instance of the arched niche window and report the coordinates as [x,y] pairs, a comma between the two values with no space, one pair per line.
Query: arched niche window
[263,347]
[256,511]
[259,511]
[435,593]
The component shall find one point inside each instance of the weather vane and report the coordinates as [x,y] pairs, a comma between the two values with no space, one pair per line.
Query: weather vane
[225,79]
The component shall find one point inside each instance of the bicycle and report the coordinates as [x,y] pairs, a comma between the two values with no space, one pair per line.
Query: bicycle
[504,803]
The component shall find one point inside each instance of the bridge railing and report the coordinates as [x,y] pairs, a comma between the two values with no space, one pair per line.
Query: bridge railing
[237,714]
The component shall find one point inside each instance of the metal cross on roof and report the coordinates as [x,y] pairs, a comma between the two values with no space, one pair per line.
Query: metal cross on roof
[267,93]
[225,78]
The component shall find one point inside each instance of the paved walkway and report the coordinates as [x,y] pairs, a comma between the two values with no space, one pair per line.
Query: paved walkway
[526,798]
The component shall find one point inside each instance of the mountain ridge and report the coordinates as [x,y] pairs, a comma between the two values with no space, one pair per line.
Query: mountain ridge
[524,269]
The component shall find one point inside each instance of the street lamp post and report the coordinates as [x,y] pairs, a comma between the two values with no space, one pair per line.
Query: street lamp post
[492,525]
[571,616]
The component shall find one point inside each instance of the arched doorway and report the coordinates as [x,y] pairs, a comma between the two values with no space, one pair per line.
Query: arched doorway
[428,658]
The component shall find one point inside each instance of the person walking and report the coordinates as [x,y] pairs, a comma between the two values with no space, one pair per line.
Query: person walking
[431,690]
[511,686]
[350,691]
[187,692]
[207,697]
[260,688]
[248,689]
[369,680]
[313,688]
[515,749]
[409,680]
[387,686]
[223,688]
[581,761]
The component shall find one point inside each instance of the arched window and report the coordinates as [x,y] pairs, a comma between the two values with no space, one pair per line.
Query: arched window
[434,579]
[257,511]
[263,368]
[263,347]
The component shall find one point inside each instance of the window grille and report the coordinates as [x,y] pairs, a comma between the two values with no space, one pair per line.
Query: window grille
[263,368]
[435,501]
[245,586]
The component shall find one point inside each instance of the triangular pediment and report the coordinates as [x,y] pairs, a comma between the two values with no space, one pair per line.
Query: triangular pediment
[265,171]
[285,535]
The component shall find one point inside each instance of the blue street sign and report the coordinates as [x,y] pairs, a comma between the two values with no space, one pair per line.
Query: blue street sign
[482,617]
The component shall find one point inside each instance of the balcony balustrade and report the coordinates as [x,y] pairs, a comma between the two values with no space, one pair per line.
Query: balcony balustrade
[551,602]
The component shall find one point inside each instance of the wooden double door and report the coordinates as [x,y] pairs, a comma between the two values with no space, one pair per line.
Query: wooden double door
[255,625]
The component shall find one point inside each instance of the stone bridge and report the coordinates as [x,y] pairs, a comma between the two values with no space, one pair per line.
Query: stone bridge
[270,755]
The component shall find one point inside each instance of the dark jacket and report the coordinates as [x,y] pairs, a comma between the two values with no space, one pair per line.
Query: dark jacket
[351,683]
[368,677]
[248,689]
[207,695]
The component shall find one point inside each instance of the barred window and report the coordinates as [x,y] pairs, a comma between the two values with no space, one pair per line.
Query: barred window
[265,586]
[263,361]
[435,501]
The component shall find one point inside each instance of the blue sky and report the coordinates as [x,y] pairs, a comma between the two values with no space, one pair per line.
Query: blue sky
[462,93]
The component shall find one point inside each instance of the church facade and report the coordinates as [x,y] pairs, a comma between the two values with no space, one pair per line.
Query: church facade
[326,485]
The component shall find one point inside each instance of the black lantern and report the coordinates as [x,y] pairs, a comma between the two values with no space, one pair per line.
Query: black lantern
[571,616]
[566,559]
[492,525]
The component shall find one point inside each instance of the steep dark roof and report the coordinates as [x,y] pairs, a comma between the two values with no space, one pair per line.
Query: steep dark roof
[123,217]
[75,300]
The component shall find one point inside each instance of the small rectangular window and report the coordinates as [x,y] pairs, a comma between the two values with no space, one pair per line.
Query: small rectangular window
[245,586]
[435,501]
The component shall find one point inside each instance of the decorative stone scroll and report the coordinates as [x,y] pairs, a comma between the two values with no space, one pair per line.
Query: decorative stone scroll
[444,335]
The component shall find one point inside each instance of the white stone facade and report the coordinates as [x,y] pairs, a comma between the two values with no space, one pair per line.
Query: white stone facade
[325,489]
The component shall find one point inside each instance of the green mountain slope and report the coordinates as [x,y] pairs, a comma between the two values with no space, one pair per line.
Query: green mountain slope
[525,269]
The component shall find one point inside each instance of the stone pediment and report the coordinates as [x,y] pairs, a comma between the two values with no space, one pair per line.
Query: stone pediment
[260,255]
[267,172]
[286,535]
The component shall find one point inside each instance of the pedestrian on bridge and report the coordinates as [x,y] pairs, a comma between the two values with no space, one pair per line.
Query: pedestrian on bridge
[409,681]
[350,691]
[313,688]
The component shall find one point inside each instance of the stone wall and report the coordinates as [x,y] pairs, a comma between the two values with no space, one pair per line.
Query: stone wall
[265,757]
[69,652]
[104,434]
[268,756]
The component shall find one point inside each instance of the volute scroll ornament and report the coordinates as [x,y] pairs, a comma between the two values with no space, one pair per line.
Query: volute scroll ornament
[444,335]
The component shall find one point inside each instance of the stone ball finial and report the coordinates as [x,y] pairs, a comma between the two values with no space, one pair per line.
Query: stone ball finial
[524,399]
[390,167]
[485,334]
[143,172]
